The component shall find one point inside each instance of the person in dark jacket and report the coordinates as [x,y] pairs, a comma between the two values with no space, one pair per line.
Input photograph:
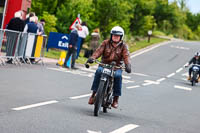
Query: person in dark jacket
[31,27]
[72,47]
[16,23]
[194,60]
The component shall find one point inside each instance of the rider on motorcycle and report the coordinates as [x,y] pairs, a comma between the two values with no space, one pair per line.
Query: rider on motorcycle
[194,60]
[113,49]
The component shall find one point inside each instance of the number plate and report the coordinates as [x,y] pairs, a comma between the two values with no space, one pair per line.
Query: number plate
[107,71]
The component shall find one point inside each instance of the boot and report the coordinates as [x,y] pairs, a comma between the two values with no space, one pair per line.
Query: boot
[199,79]
[91,99]
[115,102]
[189,78]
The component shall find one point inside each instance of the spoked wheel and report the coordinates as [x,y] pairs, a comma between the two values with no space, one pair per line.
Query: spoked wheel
[99,98]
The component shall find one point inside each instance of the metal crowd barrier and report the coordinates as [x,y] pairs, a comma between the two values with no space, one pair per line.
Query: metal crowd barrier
[21,47]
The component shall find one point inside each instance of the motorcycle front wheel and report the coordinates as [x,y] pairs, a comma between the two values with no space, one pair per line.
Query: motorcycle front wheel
[99,98]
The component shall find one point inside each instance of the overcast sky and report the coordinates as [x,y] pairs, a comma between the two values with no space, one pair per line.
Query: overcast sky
[193,5]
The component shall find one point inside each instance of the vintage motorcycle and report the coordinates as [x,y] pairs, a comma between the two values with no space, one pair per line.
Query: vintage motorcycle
[195,74]
[104,95]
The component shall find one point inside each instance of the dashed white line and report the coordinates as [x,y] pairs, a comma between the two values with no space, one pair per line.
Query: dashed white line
[81,96]
[125,128]
[131,87]
[180,69]
[170,75]
[183,88]
[34,105]
[162,79]
[140,74]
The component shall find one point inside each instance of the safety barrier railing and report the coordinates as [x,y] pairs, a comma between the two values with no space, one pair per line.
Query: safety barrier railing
[18,47]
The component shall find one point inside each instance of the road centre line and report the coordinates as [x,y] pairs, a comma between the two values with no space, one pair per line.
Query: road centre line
[180,69]
[34,105]
[183,88]
[131,87]
[170,75]
[125,128]
[81,96]
[162,79]
[140,74]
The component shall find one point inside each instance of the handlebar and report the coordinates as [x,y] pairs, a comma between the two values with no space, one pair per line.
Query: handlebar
[113,64]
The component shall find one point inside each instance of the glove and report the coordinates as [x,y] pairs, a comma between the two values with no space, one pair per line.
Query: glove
[90,60]
[128,68]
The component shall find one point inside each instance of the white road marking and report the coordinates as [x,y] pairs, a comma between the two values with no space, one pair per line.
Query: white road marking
[145,84]
[140,74]
[34,105]
[149,82]
[183,88]
[170,75]
[126,77]
[89,131]
[81,96]
[131,87]
[179,47]
[162,79]
[82,73]
[180,69]
[125,81]
[125,128]
[185,74]
[148,49]
[88,69]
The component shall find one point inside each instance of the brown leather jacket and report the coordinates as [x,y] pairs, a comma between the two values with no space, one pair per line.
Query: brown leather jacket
[110,53]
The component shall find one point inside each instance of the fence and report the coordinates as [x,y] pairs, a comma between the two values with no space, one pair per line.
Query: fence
[19,47]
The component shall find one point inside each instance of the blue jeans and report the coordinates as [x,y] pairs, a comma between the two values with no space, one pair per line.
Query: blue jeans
[117,81]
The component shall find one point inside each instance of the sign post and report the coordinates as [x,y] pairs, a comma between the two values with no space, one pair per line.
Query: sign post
[149,35]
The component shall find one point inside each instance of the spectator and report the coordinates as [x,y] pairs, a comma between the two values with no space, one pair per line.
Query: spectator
[15,24]
[83,33]
[31,27]
[41,26]
[72,49]
[31,14]
[94,39]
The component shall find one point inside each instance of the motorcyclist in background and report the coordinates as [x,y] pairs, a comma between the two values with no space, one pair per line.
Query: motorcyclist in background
[194,60]
[113,49]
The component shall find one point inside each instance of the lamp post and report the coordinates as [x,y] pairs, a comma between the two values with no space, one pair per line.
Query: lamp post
[149,35]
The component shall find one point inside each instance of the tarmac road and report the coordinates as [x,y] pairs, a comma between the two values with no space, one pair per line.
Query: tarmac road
[157,98]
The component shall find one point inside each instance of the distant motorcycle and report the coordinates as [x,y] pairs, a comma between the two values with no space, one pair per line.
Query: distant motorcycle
[104,93]
[195,74]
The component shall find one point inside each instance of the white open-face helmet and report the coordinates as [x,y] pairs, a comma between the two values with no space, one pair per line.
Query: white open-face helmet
[117,30]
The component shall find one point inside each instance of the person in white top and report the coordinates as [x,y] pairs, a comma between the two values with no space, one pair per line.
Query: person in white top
[83,33]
